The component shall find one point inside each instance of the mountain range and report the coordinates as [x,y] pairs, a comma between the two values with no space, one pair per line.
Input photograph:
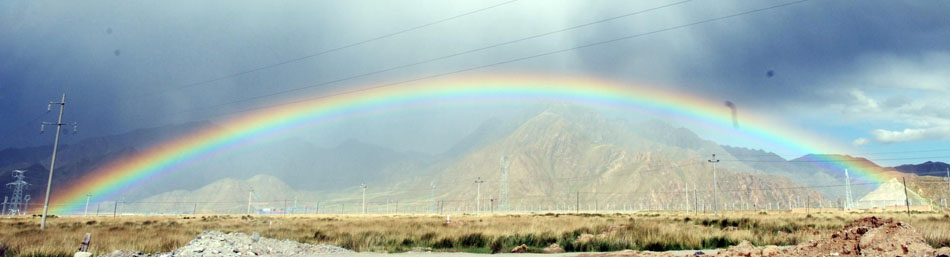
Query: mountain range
[558,156]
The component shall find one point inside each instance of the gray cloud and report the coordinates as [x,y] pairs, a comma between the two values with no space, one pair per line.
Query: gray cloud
[820,51]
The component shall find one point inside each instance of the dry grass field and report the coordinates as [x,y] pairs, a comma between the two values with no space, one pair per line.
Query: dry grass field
[573,232]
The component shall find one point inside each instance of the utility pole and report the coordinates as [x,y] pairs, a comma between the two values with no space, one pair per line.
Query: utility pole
[432,197]
[478,194]
[906,199]
[363,187]
[715,185]
[59,125]
[86,211]
[948,189]
[491,205]
[249,194]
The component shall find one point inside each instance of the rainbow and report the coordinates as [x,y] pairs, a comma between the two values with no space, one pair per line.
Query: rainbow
[107,181]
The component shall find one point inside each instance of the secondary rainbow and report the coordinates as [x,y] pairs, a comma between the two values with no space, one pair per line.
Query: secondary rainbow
[114,177]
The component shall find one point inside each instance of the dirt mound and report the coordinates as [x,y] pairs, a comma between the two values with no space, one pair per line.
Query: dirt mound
[868,236]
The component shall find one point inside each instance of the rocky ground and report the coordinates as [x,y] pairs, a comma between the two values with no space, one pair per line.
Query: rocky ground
[214,243]
[869,236]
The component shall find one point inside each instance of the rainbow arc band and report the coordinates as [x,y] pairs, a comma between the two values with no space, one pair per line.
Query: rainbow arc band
[109,180]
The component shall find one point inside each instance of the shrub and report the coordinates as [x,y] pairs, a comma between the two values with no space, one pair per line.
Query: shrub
[717,242]
[320,236]
[497,245]
[444,243]
[6,250]
[407,242]
[473,240]
[427,236]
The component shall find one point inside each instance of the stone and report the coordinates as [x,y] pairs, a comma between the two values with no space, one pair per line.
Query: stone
[553,248]
[82,254]
[520,249]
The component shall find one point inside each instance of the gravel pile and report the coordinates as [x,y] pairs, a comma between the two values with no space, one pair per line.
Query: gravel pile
[215,243]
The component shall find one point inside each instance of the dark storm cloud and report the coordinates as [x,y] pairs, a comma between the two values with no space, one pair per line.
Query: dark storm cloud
[106,55]
[802,45]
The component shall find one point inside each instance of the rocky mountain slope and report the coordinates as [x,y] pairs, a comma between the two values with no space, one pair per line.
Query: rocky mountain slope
[559,157]
[565,153]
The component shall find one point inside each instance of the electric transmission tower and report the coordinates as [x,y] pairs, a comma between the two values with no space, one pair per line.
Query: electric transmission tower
[714,161]
[17,205]
[250,194]
[503,191]
[847,186]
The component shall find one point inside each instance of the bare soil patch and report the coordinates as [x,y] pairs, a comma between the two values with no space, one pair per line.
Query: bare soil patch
[868,236]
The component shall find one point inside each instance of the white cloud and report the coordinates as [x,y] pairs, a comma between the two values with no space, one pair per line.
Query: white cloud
[860,141]
[925,72]
[862,102]
[900,91]
[911,134]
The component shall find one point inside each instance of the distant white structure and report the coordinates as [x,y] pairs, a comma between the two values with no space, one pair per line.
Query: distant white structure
[849,200]
[890,193]
[503,204]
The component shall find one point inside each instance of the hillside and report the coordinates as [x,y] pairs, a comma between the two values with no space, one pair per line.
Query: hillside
[925,169]
[223,196]
[77,159]
[560,156]
[563,153]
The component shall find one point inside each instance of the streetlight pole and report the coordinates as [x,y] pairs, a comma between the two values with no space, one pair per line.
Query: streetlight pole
[715,185]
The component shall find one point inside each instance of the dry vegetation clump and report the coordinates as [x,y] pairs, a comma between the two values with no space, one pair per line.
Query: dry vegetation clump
[484,234]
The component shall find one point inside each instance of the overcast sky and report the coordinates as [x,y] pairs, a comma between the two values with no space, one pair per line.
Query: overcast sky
[874,75]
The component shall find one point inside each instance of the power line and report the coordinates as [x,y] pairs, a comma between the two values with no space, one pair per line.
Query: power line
[430,60]
[858,153]
[841,160]
[632,36]
[301,58]
[422,200]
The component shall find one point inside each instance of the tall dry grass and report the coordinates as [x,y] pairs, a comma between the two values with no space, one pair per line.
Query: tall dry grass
[573,232]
